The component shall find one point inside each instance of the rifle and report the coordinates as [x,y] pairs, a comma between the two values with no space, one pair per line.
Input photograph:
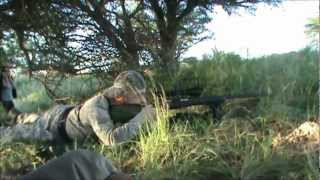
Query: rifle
[181,98]
[214,102]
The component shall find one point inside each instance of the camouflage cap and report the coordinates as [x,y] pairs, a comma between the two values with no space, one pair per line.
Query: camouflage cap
[130,80]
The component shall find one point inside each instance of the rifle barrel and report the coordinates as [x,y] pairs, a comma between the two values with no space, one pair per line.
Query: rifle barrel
[212,101]
[205,100]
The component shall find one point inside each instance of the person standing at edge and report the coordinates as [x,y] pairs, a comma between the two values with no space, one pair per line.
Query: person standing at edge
[7,91]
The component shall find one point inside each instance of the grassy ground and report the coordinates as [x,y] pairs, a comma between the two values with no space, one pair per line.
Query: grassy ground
[239,146]
[232,149]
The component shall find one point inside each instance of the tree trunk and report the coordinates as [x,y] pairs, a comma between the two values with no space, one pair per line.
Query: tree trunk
[168,61]
[131,58]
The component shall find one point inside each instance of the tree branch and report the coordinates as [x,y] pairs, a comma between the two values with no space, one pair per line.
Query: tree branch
[159,14]
[191,4]
[139,7]
[106,26]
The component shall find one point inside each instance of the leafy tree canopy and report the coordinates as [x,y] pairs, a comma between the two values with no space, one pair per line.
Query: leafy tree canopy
[73,36]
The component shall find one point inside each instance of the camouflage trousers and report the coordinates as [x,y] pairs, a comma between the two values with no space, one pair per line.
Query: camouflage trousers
[31,126]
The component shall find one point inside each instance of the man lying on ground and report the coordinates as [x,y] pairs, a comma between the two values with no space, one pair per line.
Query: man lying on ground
[124,102]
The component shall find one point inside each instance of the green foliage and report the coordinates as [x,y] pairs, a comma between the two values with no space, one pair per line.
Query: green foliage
[235,148]
[19,155]
[32,96]
[223,73]
[143,32]
[78,87]
[313,30]
[288,80]
[230,150]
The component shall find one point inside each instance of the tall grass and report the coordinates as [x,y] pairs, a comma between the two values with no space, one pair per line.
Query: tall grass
[156,138]
[33,97]
[235,148]
[288,82]
[291,74]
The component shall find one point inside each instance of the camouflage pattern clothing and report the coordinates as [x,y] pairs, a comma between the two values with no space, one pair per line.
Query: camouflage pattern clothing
[74,165]
[92,118]
[36,127]
[79,122]
[95,119]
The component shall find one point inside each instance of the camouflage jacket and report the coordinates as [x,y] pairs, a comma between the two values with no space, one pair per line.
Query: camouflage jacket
[93,118]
